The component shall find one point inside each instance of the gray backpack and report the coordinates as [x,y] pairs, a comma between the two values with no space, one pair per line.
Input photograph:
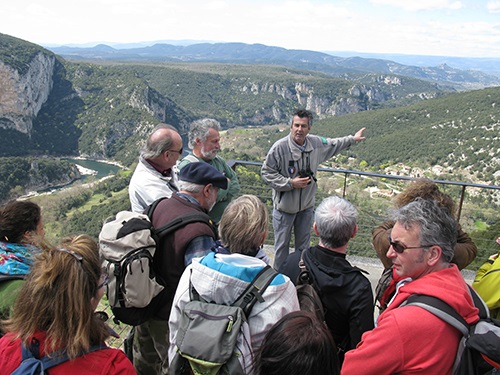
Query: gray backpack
[127,246]
[215,339]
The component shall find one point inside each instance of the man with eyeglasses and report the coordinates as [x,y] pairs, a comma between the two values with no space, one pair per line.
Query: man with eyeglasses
[409,339]
[156,175]
[198,187]
[204,139]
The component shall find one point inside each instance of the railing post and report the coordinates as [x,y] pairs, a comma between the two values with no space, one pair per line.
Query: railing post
[345,185]
[461,203]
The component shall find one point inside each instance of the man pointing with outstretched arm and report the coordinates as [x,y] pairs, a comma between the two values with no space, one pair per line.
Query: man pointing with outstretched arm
[290,170]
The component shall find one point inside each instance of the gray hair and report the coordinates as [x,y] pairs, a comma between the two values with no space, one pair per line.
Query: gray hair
[336,220]
[437,226]
[200,129]
[189,187]
[156,147]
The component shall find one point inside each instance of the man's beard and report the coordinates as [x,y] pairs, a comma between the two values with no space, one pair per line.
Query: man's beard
[213,203]
[209,155]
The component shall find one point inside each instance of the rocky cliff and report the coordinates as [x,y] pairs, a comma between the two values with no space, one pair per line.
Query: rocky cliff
[22,94]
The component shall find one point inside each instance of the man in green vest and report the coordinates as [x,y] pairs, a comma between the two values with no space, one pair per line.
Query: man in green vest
[204,140]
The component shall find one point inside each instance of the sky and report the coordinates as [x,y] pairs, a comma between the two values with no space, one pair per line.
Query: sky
[465,28]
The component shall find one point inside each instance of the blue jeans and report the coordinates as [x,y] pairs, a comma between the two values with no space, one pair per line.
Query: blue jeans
[283,222]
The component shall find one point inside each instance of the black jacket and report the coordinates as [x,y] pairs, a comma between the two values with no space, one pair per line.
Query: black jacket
[345,292]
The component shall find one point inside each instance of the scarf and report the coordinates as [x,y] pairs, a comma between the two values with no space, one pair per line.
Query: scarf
[15,258]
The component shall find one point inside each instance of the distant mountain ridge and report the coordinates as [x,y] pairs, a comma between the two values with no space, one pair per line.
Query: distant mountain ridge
[302,59]
[486,65]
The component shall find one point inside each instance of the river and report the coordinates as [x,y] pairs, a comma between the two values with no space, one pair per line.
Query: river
[88,168]
[98,169]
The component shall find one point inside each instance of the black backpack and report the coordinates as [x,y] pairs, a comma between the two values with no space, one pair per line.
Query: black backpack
[5,277]
[127,245]
[307,294]
[479,349]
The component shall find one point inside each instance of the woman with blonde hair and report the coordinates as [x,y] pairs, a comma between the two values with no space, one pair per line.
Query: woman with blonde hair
[54,313]
[222,278]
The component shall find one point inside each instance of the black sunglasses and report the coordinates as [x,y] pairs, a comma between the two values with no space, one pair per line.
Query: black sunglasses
[398,248]
[179,151]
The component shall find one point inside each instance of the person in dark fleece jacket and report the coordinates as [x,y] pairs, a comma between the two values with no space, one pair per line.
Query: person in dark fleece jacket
[345,292]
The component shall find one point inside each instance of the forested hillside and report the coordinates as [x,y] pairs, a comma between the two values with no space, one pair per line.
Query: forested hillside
[21,174]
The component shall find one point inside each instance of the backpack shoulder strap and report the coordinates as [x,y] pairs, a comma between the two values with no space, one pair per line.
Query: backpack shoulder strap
[484,312]
[440,309]
[151,208]
[191,158]
[5,277]
[56,358]
[304,275]
[181,221]
[255,290]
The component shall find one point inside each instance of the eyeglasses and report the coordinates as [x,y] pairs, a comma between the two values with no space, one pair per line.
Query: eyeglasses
[103,281]
[179,151]
[398,248]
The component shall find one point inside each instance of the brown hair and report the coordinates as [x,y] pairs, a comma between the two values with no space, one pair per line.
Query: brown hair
[56,298]
[17,218]
[298,344]
[425,189]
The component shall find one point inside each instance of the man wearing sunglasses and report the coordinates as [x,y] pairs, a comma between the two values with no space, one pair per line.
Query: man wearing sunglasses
[409,339]
[155,175]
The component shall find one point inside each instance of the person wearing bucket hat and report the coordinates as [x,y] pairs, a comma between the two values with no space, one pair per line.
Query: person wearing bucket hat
[198,185]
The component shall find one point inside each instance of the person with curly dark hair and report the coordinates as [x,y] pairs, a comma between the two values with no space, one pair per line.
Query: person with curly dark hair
[21,227]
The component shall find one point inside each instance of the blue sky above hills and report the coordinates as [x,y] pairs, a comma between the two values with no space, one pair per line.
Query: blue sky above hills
[468,28]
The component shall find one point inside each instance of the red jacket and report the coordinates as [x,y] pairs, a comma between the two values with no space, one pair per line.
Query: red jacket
[410,340]
[103,362]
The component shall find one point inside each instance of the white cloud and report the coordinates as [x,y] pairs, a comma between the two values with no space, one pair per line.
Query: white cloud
[320,25]
[493,6]
[412,5]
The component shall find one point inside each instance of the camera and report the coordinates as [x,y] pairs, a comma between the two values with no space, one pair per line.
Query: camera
[307,173]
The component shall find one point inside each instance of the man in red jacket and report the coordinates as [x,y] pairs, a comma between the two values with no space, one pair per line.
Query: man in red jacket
[409,339]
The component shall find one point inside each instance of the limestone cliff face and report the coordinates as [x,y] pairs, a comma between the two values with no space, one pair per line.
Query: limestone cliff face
[359,98]
[22,95]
